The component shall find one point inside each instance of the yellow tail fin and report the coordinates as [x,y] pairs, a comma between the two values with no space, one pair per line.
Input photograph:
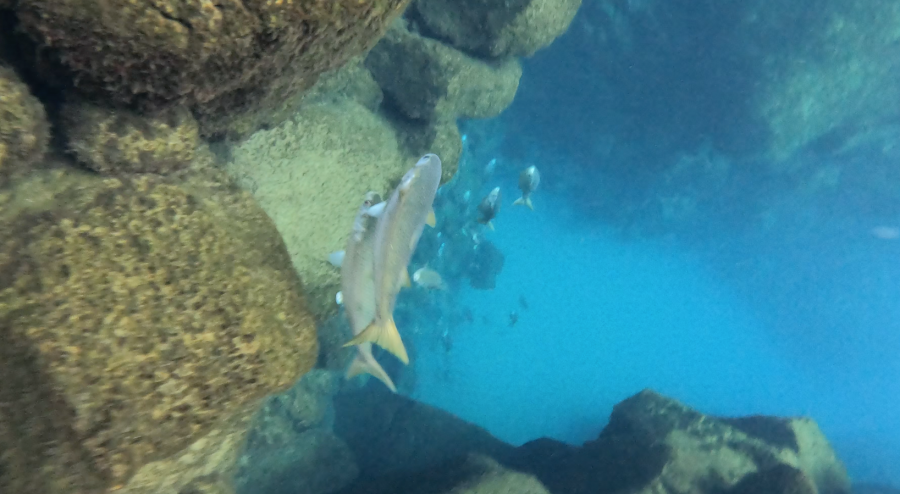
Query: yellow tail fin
[490,224]
[525,201]
[365,363]
[384,335]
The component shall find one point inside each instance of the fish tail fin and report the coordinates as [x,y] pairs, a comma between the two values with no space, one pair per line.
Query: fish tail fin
[528,203]
[490,224]
[519,202]
[385,335]
[366,364]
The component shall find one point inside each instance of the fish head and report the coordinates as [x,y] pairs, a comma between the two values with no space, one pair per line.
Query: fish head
[426,165]
[372,198]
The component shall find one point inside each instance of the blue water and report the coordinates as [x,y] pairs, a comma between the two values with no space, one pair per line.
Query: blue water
[608,317]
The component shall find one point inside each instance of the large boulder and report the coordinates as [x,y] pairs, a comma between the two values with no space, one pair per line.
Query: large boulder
[235,63]
[498,28]
[654,444]
[24,130]
[428,80]
[142,322]
[117,141]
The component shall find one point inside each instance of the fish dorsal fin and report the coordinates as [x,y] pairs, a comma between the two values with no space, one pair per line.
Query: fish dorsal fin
[431,219]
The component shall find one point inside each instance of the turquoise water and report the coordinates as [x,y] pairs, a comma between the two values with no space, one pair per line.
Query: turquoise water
[607,317]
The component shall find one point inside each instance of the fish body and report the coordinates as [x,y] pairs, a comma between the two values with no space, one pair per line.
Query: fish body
[429,279]
[397,233]
[529,180]
[358,288]
[489,208]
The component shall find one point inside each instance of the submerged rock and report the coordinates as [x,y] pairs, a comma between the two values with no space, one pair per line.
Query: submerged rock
[233,63]
[654,444]
[498,28]
[143,320]
[24,130]
[428,80]
[116,141]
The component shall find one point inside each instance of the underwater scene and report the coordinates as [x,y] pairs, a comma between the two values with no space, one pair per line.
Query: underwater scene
[449,247]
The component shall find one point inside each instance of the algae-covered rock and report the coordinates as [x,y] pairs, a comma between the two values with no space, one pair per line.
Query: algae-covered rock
[232,61]
[24,131]
[120,141]
[839,78]
[498,28]
[428,80]
[139,317]
[310,175]
[351,81]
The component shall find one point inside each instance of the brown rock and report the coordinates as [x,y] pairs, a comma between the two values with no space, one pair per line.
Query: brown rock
[116,141]
[233,62]
[24,131]
[428,80]
[139,316]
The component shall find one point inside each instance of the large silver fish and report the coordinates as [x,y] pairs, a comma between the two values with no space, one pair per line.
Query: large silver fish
[396,236]
[529,180]
[358,287]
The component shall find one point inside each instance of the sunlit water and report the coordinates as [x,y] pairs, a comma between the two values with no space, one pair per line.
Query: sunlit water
[607,318]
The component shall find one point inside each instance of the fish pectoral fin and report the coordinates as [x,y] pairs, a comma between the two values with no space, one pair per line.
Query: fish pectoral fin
[431,219]
[384,335]
[336,258]
[490,224]
[366,364]
[376,210]
[404,279]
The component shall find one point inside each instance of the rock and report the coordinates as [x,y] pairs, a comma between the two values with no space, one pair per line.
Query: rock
[471,474]
[143,321]
[656,445]
[498,28]
[315,462]
[234,63]
[116,141]
[389,433]
[310,175]
[428,80]
[24,130]
[352,81]
[837,79]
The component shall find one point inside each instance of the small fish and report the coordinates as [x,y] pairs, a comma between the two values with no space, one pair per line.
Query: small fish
[428,279]
[489,208]
[358,287]
[513,318]
[396,235]
[529,180]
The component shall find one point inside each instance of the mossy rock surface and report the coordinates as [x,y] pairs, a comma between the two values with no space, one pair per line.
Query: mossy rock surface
[498,28]
[137,315]
[233,62]
[24,131]
[116,141]
[429,80]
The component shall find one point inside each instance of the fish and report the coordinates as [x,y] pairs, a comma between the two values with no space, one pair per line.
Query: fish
[529,180]
[489,208]
[358,287]
[429,279]
[397,233]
